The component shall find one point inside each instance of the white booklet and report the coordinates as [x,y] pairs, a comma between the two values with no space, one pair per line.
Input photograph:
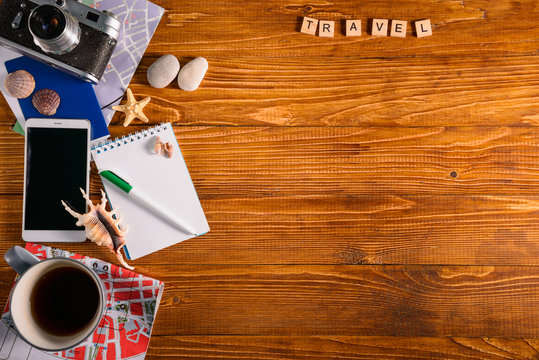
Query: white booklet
[164,180]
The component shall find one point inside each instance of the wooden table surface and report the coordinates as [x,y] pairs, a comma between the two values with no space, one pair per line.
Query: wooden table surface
[367,197]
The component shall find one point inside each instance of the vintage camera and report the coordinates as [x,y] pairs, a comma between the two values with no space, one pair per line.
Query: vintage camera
[65,34]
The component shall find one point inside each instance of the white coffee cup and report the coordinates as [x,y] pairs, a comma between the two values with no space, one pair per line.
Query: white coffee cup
[32,273]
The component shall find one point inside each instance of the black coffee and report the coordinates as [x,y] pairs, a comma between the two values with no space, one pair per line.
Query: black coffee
[64,301]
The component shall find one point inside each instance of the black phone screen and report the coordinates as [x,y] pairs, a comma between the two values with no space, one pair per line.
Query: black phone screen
[56,169]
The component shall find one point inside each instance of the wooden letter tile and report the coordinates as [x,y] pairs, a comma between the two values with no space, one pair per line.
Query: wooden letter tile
[423,28]
[353,27]
[309,26]
[379,27]
[398,28]
[327,28]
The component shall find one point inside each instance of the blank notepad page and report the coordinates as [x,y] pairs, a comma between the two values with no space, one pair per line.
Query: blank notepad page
[166,181]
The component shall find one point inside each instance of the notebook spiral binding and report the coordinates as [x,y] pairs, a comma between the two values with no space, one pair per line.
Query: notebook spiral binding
[118,142]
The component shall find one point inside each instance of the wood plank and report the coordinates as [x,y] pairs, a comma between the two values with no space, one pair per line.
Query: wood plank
[225,29]
[453,229]
[354,91]
[271,300]
[418,301]
[269,161]
[340,347]
[347,300]
[337,91]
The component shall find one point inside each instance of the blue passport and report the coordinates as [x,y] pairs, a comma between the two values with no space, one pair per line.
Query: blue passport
[77,97]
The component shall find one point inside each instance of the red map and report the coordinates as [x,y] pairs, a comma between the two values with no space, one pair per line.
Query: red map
[125,329]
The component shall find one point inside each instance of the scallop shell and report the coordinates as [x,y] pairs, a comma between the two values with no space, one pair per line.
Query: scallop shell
[46,101]
[20,84]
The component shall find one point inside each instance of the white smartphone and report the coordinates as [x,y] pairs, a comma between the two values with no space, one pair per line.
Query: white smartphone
[56,166]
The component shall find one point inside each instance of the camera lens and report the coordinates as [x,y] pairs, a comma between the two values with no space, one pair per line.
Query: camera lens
[53,29]
[47,22]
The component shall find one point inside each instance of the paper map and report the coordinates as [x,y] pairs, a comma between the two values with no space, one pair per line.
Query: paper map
[125,329]
[139,20]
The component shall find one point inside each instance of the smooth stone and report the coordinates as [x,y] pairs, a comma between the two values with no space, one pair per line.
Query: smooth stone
[163,71]
[192,73]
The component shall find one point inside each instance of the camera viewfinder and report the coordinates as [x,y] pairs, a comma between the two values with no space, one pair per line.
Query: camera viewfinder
[92,16]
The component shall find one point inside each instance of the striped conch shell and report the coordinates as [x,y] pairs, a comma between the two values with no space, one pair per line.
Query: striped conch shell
[158,148]
[20,84]
[46,101]
[101,227]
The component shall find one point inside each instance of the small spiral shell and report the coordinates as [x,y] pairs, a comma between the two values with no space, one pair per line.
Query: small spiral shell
[20,84]
[169,150]
[46,101]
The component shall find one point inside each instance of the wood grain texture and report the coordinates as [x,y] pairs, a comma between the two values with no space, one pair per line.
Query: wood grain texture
[237,29]
[368,198]
[487,230]
[360,300]
[350,300]
[343,91]
[276,161]
[340,348]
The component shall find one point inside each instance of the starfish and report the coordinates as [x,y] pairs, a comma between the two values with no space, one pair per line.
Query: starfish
[132,108]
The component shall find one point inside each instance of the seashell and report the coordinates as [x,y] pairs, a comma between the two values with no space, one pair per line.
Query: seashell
[169,150]
[46,101]
[20,84]
[159,146]
[101,227]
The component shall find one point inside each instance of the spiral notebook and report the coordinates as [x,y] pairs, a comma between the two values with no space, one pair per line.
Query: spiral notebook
[165,180]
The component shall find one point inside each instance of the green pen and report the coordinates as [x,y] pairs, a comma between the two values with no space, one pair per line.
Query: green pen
[145,201]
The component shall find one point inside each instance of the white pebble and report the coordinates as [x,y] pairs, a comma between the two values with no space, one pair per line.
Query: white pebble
[192,73]
[163,71]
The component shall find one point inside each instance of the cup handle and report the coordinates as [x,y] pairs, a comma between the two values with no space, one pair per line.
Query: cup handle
[20,259]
